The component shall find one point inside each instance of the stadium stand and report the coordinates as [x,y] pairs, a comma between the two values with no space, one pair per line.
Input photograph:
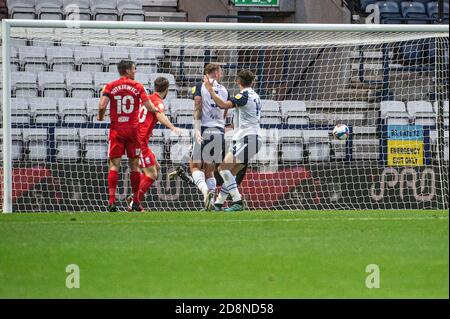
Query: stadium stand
[409,12]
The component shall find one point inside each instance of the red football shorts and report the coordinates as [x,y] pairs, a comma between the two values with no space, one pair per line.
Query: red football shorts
[147,159]
[122,140]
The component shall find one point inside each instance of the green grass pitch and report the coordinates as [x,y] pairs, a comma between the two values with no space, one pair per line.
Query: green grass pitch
[270,254]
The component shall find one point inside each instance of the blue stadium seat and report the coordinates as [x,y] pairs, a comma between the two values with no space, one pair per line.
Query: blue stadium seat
[433,11]
[389,12]
[415,12]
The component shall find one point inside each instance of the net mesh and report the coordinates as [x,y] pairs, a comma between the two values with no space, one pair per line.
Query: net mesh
[389,88]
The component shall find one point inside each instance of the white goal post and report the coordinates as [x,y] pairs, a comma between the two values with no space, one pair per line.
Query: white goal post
[294,37]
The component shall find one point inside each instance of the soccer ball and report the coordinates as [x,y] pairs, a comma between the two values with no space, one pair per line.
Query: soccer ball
[341,132]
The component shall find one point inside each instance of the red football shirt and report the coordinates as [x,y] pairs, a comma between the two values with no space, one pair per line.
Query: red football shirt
[148,120]
[125,95]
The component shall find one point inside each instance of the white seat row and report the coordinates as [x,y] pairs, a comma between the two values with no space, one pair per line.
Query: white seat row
[77,9]
[75,84]
[87,58]
[417,112]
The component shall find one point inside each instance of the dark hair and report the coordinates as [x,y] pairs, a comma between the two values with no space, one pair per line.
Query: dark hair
[246,77]
[161,84]
[211,67]
[124,66]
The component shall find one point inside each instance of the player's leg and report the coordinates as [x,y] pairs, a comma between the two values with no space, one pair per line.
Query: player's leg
[133,149]
[242,151]
[239,173]
[135,174]
[150,168]
[113,180]
[196,168]
[115,151]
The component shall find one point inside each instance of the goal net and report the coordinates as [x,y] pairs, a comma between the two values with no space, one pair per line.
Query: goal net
[389,88]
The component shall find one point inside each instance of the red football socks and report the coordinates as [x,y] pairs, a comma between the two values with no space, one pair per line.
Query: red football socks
[113,180]
[135,179]
[146,183]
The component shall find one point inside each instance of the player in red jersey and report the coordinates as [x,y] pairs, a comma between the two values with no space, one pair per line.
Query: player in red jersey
[124,95]
[147,122]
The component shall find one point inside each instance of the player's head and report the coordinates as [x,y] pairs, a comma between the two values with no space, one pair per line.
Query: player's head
[127,68]
[162,87]
[245,78]
[213,71]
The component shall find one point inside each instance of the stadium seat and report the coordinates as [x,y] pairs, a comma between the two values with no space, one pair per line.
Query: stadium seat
[49,9]
[36,143]
[68,144]
[72,110]
[24,84]
[318,145]
[33,60]
[366,149]
[421,112]
[389,12]
[131,10]
[113,55]
[270,112]
[294,112]
[77,9]
[103,78]
[94,144]
[415,12]
[44,110]
[41,37]
[292,145]
[144,79]
[21,9]
[179,146]
[61,59]
[181,110]
[69,38]
[17,143]
[99,37]
[104,10]
[394,113]
[433,11]
[52,84]
[20,112]
[15,65]
[157,143]
[88,59]
[79,85]
[269,148]
[19,37]
[145,59]
[92,111]
[126,38]
[187,70]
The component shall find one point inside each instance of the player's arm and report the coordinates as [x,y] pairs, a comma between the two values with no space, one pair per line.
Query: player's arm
[103,104]
[163,119]
[198,102]
[219,102]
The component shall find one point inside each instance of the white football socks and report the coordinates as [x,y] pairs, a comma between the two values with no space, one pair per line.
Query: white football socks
[230,185]
[199,180]
[212,184]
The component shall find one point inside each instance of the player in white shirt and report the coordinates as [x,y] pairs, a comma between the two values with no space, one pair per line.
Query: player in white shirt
[246,141]
[208,147]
